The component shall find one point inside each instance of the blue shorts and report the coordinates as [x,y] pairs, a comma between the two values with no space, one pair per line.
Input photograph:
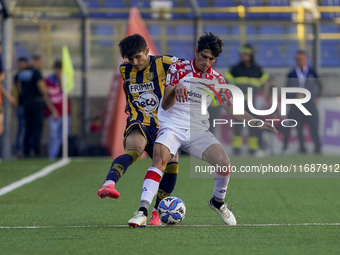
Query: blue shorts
[150,134]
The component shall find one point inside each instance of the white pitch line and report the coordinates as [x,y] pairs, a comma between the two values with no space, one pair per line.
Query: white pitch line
[126,226]
[28,179]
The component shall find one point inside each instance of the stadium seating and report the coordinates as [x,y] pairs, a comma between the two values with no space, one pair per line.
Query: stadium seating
[252,3]
[330,53]
[116,4]
[271,30]
[329,28]
[21,51]
[103,30]
[181,49]
[223,3]
[279,15]
[269,55]
[276,53]
[216,29]
[180,30]
[154,30]
[329,15]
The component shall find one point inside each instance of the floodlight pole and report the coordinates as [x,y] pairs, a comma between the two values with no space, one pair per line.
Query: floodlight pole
[7,49]
[316,46]
[85,57]
[197,21]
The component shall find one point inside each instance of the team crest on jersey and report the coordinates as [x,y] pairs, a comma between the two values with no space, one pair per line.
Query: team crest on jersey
[147,103]
[150,76]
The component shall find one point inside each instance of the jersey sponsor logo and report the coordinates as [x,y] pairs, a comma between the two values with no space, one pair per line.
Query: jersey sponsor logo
[147,103]
[193,94]
[150,76]
[141,87]
[168,77]
[25,75]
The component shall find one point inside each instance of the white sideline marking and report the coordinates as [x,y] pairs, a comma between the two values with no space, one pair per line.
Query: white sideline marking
[28,179]
[126,226]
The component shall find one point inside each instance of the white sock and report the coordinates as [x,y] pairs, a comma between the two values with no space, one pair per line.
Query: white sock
[107,182]
[221,185]
[150,186]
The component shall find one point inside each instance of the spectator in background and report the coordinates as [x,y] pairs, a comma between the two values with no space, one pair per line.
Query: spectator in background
[34,94]
[246,74]
[264,101]
[303,76]
[56,96]
[22,64]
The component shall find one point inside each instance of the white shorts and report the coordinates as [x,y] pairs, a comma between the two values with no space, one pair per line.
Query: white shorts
[194,142]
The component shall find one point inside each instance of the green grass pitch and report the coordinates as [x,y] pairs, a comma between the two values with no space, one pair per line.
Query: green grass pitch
[71,219]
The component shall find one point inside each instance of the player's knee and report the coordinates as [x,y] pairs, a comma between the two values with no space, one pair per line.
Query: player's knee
[159,162]
[175,158]
[223,161]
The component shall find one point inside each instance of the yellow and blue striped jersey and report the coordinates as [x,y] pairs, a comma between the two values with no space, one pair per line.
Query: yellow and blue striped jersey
[145,88]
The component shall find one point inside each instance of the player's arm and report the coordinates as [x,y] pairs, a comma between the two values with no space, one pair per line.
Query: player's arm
[263,79]
[247,117]
[7,95]
[126,98]
[169,97]
[174,93]
[44,92]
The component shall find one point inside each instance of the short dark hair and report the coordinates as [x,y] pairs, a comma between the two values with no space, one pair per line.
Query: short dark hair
[37,56]
[131,45]
[211,42]
[302,52]
[57,64]
[23,59]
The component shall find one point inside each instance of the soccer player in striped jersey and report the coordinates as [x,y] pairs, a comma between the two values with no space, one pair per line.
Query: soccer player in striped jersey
[144,77]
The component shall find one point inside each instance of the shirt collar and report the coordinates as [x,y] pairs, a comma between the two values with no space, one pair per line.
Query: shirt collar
[305,69]
[196,70]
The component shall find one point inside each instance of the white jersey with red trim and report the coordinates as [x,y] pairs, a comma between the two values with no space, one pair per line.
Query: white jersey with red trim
[188,115]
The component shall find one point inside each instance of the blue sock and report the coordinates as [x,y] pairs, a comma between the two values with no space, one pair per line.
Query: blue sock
[168,182]
[121,164]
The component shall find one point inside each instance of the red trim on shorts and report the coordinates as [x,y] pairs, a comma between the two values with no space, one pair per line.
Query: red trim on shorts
[153,176]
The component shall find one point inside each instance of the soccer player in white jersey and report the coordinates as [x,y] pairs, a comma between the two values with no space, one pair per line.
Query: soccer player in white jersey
[182,126]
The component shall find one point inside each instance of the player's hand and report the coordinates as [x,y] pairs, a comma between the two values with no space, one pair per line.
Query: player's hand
[268,126]
[127,110]
[55,114]
[181,93]
[163,79]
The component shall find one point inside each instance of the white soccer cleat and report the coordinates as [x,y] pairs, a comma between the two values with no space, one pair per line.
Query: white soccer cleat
[138,221]
[226,215]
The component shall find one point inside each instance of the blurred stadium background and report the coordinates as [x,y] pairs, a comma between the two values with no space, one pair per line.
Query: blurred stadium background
[92,30]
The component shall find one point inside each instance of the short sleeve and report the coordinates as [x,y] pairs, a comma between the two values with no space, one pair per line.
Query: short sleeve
[172,76]
[37,75]
[168,61]
[122,70]
[1,66]
[224,94]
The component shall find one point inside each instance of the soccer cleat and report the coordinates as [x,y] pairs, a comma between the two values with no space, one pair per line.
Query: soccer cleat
[108,191]
[154,219]
[226,215]
[138,220]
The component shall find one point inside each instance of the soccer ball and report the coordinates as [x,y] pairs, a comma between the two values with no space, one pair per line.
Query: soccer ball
[171,210]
